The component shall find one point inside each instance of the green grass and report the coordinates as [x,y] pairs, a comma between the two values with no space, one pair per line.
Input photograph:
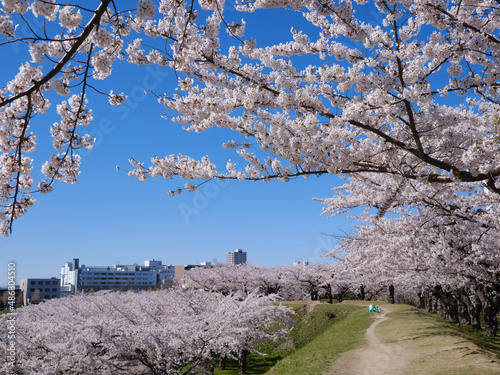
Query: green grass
[317,321]
[318,354]
[309,327]
[435,346]
[256,364]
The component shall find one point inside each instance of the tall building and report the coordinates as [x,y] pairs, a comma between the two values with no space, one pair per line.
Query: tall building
[236,257]
[37,290]
[85,278]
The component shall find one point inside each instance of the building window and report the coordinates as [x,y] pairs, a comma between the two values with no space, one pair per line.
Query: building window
[32,290]
[54,289]
[32,282]
[47,290]
[47,283]
[40,282]
[54,282]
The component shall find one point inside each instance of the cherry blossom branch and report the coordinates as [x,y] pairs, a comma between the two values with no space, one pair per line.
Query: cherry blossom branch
[29,109]
[93,23]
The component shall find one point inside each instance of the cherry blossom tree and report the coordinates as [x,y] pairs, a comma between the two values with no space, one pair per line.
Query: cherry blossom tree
[399,98]
[161,332]
[224,278]
[312,279]
[296,282]
[374,104]
[447,251]
[410,93]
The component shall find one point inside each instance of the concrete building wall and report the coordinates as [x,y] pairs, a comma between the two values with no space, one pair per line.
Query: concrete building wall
[236,257]
[37,290]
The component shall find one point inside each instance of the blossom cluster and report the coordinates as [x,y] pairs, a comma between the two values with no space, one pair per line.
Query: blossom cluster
[167,331]
[76,45]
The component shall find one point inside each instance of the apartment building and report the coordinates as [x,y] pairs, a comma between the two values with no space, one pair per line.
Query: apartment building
[77,277]
[38,290]
[236,257]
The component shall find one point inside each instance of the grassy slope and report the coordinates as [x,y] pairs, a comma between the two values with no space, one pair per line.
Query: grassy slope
[318,354]
[434,346]
[306,334]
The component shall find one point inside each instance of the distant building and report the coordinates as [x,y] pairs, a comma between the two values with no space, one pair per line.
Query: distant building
[76,277]
[236,257]
[180,270]
[298,263]
[37,290]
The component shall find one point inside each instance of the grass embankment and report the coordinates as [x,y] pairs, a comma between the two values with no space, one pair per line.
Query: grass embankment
[318,354]
[436,346]
[313,343]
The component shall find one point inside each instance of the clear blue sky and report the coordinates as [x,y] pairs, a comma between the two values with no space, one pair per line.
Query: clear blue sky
[108,217]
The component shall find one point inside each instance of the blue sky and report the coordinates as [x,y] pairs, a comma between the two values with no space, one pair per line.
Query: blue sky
[109,218]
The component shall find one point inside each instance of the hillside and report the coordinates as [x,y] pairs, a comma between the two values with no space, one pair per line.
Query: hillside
[399,340]
[405,340]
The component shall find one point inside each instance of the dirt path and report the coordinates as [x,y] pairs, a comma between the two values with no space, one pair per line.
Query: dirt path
[374,357]
[413,345]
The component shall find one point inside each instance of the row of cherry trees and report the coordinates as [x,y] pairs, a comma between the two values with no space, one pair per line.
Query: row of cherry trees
[161,332]
[400,98]
[290,282]
[430,274]
[439,243]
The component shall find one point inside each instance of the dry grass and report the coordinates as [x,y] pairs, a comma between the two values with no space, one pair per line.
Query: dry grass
[432,346]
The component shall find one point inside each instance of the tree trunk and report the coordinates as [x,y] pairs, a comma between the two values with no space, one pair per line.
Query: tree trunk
[464,306]
[489,309]
[328,292]
[242,362]
[435,307]
[421,300]
[361,294]
[434,297]
[314,295]
[475,313]
[472,307]
[449,306]
[391,294]
[222,362]
[496,287]
[340,296]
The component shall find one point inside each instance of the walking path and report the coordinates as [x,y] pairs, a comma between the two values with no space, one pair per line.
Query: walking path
[374,358]
[413,347]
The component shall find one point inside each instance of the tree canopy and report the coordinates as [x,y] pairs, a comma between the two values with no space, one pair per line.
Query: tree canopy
[403,108]
[399,98]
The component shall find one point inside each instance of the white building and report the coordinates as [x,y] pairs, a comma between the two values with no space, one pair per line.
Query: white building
[236,257]
[85,278]
[37,290]
[298,263]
